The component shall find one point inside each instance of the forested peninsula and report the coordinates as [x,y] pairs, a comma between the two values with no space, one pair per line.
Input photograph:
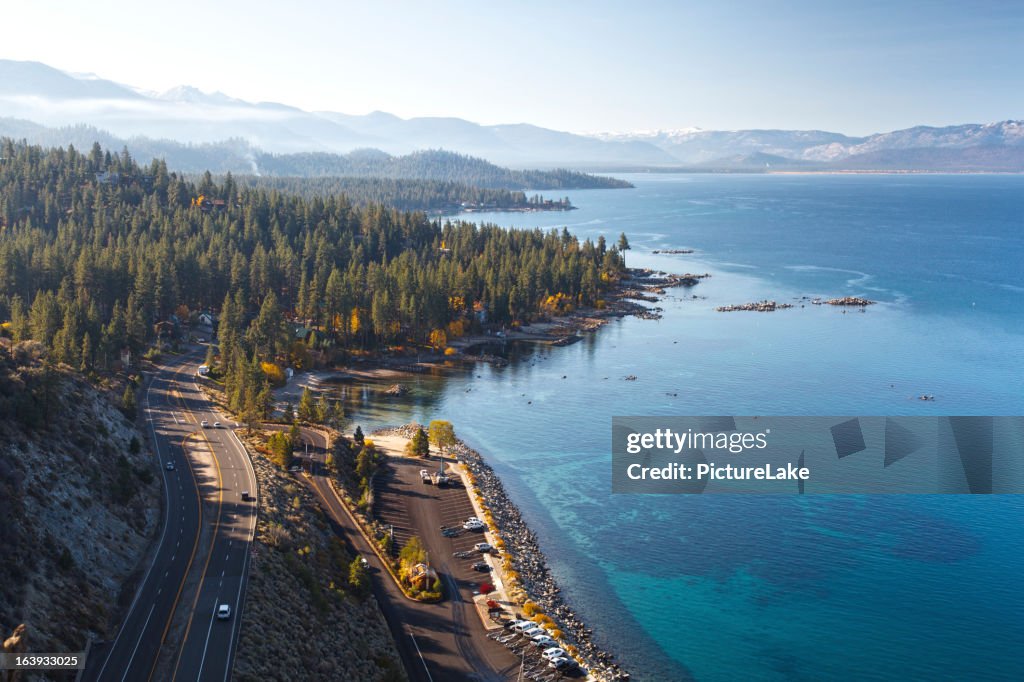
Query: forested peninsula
[99,255]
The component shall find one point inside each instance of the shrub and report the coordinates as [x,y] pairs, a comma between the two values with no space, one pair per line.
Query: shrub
[278,536]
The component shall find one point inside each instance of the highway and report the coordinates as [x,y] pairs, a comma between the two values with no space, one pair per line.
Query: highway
[171,631]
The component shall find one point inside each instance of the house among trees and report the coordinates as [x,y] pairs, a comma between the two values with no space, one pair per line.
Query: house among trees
[164,330]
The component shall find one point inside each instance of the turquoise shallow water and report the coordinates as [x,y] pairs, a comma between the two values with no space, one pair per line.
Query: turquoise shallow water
[775,588]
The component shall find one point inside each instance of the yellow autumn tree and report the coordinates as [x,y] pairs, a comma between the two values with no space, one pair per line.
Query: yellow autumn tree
[354,323]
[438,338]
[275,375]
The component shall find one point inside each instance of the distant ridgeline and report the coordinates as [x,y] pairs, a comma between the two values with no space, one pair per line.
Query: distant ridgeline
[433,196]
[239,157]
[429,165]
[96,250]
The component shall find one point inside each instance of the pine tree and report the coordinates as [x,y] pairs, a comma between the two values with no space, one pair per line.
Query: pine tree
[307,408]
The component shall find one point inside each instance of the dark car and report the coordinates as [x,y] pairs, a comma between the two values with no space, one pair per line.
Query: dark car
[481,566]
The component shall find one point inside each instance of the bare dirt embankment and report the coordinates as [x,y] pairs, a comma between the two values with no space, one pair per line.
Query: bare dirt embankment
[302,618]
[80,502]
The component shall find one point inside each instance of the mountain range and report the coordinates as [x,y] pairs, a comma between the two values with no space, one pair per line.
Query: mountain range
[60,101]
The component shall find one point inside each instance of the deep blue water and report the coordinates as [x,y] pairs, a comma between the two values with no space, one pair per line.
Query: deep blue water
[775,588]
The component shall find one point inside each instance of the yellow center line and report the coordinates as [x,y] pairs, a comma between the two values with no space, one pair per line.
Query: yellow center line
[184,577]
[209,555]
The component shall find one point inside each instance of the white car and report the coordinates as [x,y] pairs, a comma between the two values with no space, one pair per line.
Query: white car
[474,524]
[223,612]
[563,663]
[170,465]
[533,632]
[520,624]
[543,641]
[482,547]
[216,425]
[205,424]
[554,652]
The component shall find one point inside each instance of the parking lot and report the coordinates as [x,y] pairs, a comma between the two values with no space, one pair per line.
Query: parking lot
[412,507]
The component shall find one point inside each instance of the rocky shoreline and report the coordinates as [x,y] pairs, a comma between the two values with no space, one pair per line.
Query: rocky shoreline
[528,560]
[767,306]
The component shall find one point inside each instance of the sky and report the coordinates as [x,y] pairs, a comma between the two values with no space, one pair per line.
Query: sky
[855,67]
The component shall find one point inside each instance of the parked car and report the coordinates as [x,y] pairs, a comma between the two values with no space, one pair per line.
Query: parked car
[543,641]
[223,612]
[474,524]
[554,652]
[482,547]
[482,566]
[563,663]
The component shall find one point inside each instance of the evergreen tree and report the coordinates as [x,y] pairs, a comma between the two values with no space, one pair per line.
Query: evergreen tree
[418,445]
[307,408]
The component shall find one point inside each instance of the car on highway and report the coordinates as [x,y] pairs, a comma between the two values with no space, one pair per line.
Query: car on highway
[425,476]
[482,566]
[170,465]
[245,495]
[223,612]
[216,425]
[205,424]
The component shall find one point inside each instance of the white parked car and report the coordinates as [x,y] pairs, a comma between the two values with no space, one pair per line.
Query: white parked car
[563,663]
[534,631]
[482,547]
[543,642]
[554,652]
[474,524]
[223,612]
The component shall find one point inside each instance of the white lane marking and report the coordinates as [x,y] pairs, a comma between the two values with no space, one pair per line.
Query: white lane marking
[163,533]
[213,617]
[136,649]
[422,660]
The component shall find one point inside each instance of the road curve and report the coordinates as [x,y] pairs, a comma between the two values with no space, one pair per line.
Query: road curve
[173,407]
